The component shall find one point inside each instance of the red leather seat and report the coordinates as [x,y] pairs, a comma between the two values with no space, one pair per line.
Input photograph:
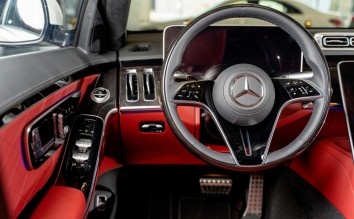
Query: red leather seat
[61,202]
[328,166]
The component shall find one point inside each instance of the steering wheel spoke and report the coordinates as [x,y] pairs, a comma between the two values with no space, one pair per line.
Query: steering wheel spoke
[248,145]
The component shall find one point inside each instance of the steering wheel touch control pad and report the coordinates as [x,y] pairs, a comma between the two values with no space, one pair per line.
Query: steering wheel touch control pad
[298,88]
[191,91]
[243,94]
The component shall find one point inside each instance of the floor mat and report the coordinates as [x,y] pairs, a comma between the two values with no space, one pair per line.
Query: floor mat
[203,208]
[290,196]
[174,193]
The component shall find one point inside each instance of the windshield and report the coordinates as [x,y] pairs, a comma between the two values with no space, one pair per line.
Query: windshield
[158,14]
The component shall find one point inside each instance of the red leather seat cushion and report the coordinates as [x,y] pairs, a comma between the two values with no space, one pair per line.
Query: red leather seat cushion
[328,166]
[61,202]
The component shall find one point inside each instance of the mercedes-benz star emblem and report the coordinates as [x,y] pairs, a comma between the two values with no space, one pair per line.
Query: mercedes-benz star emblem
[247,90]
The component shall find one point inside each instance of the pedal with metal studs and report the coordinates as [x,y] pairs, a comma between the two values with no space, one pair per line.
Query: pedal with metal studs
[254,197]
[215,185]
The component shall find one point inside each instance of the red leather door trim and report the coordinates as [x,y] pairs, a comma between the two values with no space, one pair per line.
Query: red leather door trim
[19,184]
[61,202]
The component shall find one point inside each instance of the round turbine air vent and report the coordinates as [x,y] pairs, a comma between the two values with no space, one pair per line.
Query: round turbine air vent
[100,95]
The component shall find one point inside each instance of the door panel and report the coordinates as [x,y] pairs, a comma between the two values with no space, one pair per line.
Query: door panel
[20,184]
[24,75]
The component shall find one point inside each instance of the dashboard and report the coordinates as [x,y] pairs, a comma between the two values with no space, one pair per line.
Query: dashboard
[207,55]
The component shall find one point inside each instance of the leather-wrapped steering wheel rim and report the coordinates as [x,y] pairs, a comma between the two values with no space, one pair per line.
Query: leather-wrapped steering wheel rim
[320,81]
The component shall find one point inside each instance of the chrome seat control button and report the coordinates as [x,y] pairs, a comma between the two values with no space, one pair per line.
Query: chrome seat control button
[83,144]
[80,158]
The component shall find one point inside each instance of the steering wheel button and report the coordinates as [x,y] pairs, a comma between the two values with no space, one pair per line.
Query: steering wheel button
[292,89]
[179,97]
[302,91]
[311,91]
[295,94]
[295,82]
[196,97]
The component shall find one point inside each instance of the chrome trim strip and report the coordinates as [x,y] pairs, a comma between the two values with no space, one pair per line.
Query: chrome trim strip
[134,108]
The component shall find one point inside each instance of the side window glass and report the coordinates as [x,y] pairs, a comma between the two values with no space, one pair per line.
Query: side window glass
[28,22]
[71,10]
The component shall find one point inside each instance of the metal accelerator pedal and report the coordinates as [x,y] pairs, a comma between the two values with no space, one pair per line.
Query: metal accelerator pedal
[215,185]
[255,197]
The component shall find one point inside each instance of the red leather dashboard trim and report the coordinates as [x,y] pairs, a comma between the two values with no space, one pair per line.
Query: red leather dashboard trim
[61,202]
[156,148]
[294,118]
[19,185]
[328,166]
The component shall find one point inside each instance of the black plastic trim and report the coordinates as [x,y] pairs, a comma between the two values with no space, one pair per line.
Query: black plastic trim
[24,75]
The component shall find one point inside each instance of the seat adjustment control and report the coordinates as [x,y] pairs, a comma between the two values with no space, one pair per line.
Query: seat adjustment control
[80,158]
[83,144]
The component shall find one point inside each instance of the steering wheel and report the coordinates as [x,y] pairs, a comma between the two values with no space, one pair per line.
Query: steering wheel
[244,102]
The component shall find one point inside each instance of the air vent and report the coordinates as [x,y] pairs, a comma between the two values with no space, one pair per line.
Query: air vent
[132,85]
[336,41]
[140,48]
[149,85]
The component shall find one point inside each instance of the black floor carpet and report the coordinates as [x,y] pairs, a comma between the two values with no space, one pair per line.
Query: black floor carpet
[289,196]
[203,208]
[174,193]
